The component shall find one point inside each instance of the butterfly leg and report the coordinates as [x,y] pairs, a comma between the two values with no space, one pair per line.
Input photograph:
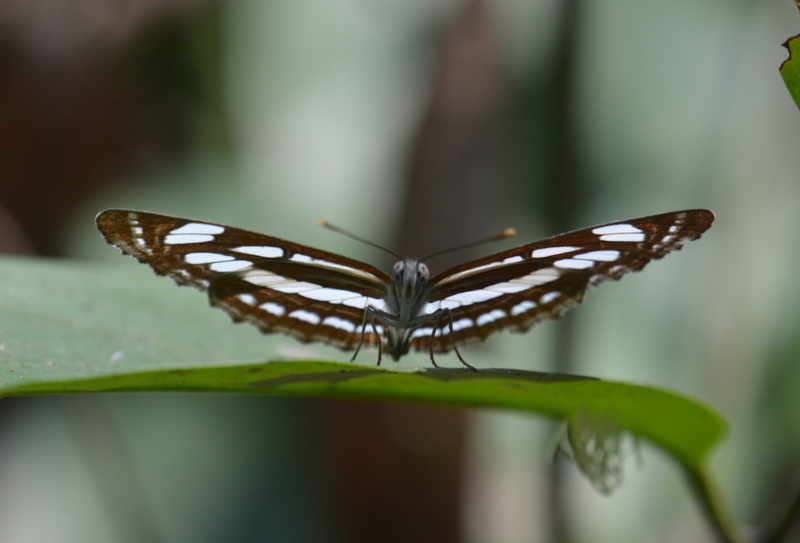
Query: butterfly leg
[433,333]
[380,340]
[361,339]
[453,342]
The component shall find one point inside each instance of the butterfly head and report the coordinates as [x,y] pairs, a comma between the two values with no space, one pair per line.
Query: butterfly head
[410,278]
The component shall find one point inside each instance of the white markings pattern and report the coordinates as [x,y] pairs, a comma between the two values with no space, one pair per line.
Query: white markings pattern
[206,258]
[549,297]
[317,262]
[522,307]
[620,232]
[341,324]
[294,287]
[324,294]
[249,299]
[510,287]
[631,238]
[265,251]
[587,260]
[552,251]
[477,269]
[491,316]
[574,263]
[193,232]
[607,255]
[616,229]
[229,266]
[540,277]
[273,308]
[177,239]
[473,296]
[306,316]
[461,324]
[198,228]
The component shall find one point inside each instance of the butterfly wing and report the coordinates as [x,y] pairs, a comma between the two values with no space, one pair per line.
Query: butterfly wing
[518,288]
[277,285]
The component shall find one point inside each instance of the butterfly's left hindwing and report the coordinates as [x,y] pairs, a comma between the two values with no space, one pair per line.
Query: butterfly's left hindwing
[518,288]
[272,283]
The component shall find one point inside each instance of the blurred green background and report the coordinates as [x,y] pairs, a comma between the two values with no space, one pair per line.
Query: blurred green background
[419,125]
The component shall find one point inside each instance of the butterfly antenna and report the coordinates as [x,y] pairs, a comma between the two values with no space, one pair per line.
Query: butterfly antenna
[507,233]
[350,235]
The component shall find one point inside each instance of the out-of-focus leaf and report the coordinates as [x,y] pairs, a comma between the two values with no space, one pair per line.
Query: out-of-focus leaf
[790,69]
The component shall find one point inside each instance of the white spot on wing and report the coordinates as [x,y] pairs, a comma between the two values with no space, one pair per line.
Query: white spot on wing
[551,251]
[422,332]
[600,256]
[539,277]
[199,228]
[264,278]
[574,263]
[317,262]
[205,258]
[341,324]
[633,238]
[249,299]
[306,316]
[229,266]
[358,303]
[273,308]
[328,294]
[616,229]
[294,287]
[461,324]
[477,269]
[492,315]
[509,288]
[178,239]
[265,251]
[549,297]
[522,307]
[473,296]
[137,230]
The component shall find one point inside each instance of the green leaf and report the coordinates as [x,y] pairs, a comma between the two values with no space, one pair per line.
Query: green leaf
[790,69]
[68,327]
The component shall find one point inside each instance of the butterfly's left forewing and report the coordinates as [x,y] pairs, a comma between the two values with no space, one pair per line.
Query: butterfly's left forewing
[515,289]
[277,285]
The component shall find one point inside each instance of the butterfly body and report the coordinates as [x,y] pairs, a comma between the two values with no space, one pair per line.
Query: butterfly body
[314,295]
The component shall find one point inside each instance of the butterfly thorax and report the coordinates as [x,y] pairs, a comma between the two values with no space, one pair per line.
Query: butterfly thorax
[404,303]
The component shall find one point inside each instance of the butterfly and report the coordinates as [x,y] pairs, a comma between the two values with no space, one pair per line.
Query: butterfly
[315,295]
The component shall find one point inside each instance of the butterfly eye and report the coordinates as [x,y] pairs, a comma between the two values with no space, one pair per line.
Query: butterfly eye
[422,272]
[398,269]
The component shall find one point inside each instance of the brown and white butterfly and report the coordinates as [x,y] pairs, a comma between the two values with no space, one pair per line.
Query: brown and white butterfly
[314,295]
